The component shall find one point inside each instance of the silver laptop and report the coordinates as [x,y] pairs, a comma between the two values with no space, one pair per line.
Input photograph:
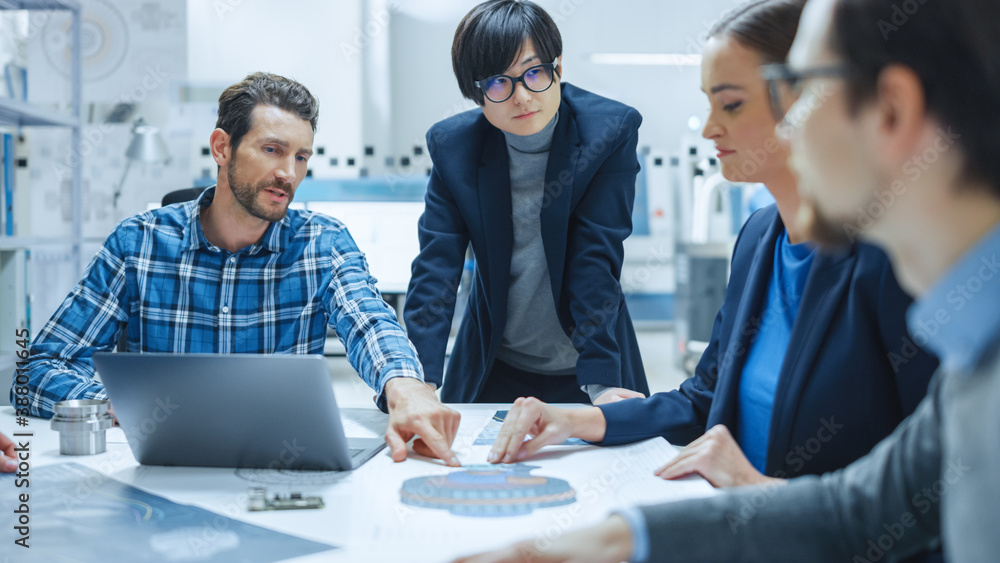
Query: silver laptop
[231,410]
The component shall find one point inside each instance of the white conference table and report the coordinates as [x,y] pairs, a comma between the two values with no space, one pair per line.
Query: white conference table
[363,514]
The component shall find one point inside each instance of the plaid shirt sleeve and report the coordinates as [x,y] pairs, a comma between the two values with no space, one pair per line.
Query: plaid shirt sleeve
[376,345]
[60,364]
[141,249]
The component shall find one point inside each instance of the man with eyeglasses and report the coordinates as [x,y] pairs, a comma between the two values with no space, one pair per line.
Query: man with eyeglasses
[541,181]
[898,146]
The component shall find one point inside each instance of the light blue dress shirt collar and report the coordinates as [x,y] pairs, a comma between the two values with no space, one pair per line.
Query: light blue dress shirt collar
[959,317]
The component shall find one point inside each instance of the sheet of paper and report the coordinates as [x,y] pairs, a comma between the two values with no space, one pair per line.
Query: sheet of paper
[78,514]
[364,423]
[489,433]
[390,511]
[422,508]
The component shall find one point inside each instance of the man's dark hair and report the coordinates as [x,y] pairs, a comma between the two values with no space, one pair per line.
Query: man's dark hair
[766,26]
[954,49]
[237,102]
[490,37]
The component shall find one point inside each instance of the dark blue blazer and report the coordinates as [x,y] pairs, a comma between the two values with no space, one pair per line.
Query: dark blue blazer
[851,373]
[586,214]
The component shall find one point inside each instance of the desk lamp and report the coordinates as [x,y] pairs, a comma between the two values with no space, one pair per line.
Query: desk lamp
[147,146]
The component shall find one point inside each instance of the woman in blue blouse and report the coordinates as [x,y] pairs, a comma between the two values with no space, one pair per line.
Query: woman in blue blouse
[810,363]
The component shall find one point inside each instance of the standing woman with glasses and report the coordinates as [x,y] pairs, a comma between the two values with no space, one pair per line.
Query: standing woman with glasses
[541,181]
[810,363]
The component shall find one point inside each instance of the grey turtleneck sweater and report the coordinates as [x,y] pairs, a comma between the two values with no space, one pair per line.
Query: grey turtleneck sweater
[533,339]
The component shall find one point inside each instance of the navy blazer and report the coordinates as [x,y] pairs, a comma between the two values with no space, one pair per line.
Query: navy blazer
[851,372]
[586,214]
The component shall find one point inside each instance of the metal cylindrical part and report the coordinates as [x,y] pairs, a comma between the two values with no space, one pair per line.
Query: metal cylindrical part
[81,424]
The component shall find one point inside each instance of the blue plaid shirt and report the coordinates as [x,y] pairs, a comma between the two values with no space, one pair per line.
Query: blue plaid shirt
[180,293]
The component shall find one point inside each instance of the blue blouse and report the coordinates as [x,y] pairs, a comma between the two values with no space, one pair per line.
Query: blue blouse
[759,379]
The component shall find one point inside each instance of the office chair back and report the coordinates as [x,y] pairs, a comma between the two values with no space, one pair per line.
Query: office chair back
[180,196]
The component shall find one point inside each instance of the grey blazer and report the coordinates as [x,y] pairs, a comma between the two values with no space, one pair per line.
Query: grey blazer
[933,480]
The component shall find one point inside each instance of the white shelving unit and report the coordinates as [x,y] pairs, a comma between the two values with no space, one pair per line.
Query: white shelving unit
[17,113]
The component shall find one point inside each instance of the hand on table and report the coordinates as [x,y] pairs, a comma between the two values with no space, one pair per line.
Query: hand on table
[414,410]
[718,458]
[616,394]
[547,424]
[608,542]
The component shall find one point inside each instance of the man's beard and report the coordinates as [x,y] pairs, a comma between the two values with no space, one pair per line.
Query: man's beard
[821,229]
[247,196]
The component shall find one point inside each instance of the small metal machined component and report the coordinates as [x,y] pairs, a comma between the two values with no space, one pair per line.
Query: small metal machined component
[81,424]
[258,501]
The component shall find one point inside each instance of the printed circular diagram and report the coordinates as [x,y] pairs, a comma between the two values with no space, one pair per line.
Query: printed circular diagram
[104,40]
[488,491]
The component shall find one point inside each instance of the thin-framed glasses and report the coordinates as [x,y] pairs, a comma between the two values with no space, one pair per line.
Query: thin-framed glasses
[500,88]
[785,84]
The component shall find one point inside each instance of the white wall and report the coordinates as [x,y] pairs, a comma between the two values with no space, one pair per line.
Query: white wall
[312,41]
[424,88]
[382,68]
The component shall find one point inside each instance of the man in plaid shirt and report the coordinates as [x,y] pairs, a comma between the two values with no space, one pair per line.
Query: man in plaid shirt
[236,271]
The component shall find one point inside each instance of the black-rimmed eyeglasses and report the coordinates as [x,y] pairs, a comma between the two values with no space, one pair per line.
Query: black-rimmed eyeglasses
[500,88]
[785,84]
